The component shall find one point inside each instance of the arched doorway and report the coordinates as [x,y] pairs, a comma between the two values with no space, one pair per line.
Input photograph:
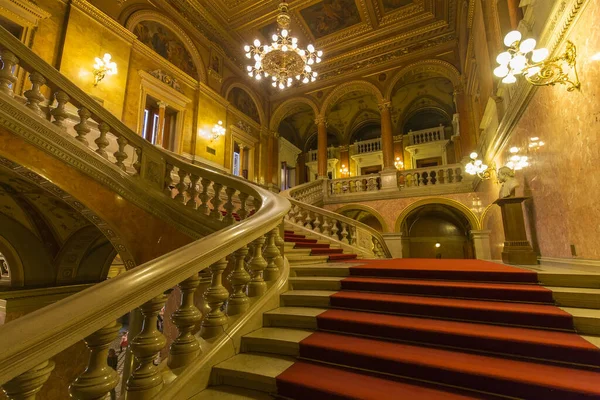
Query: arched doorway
[436,231]
[364,215]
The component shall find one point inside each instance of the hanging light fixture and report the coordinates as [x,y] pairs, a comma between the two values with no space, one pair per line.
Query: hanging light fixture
[283,60]
[477,167]
[523,58]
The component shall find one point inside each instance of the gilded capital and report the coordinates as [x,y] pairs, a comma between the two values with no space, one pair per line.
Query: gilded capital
[386,105]
[320,120]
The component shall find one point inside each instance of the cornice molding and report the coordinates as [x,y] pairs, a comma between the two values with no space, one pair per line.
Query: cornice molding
[184,78]
[24,11]
[100,17]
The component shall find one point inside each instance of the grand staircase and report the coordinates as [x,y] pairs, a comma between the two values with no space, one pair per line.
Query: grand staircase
[418,329]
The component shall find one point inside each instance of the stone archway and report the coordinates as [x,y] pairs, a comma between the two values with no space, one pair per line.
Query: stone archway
[366,210]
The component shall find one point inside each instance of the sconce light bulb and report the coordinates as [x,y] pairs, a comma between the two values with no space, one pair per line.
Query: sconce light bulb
[473,155]
[539,55]
[509,79]
[514,150]
[501,71]
[527,45]
[504,58]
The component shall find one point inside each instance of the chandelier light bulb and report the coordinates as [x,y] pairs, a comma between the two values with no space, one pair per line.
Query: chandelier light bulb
[250,73]
[258,77]
[249,68]
[305,80]
[266,74]
[527,45]
[501,71]
[256,43]
[504,58]
[294,40]
[319,53]
[539,55]
[310,48]
[302,53]
[473,155]
[274,37]
[509,79]
[308,68]
[297,77]
[284,33]
[318,60]
[284,48]
[246,48]
[512,37]
[310,61]
[274,84]
[314,73]
[248,55]
[514,150]
[281,86]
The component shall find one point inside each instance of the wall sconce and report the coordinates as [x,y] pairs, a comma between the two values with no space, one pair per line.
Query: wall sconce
[477,167]
[535,143]
[399,164]
[516,162]
[344,171]
[103,67]
[523,58]
[218,130]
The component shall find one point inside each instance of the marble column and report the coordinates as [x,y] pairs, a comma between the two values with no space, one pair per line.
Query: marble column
[274,155]
[301,169]
[269,172]
[389,180]
[481,244]
[466,141]
[241,160]
[514,13]
[161,123]
[321,147]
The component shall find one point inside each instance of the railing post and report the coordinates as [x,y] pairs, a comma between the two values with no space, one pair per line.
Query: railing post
[185,347]
[99,378]
[238,278]
[271,253]
[146,381]
[214,322]
[257,285]
[28,384]
[34,95]
[7,78]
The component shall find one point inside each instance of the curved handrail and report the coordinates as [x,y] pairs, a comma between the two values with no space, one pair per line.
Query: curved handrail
[313,192]
[36,337]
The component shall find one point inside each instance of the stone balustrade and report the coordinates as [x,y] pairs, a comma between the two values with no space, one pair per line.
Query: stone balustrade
[332,152]
[426,136]
[367,146]
[355,184]
[433,176]
[309,193]
[242,218]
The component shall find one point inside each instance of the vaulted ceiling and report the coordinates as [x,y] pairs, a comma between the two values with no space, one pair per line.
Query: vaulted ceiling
[355,35]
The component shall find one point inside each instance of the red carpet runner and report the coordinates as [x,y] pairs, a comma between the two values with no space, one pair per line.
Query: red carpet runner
[317,249]
[442,329]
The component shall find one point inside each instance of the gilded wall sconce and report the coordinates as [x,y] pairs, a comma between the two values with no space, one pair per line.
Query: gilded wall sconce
[102,67]
[477,167]
[522,58]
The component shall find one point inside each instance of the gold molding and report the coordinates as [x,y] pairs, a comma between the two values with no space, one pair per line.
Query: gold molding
[26,12]
[100,17]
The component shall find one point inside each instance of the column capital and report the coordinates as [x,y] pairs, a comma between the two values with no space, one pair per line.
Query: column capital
[162,104]
[320,120]
[385,105]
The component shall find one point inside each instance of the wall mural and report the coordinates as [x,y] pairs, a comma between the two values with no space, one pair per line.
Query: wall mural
[391,5]
[243,102]
[166,44]
[330,16]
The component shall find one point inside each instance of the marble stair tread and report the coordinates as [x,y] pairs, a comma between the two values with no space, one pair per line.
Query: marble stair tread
[283,341]
[576,297]
[307,298]
[324,269]
[595,340]
[256,371]
[306,259]
[293,317]
[224,392]
[297,251]
[316,282]
[586,320]
[568,278]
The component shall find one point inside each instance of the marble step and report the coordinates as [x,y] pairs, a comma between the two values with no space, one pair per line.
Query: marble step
[566,278]
[337,269]
[295,252]
[293,317]
[306,298]
[586,320]
[576,297]
[306,259]
[255,371]
[315,282]
[274,340]
[223,392]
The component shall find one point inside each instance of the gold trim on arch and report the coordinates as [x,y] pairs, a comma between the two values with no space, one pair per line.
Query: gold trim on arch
[368,209]
[473,220]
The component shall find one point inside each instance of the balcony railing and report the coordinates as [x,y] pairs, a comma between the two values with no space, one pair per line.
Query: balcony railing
[367,146]
[355,184]
[440,175]
[426,136]
[332,152]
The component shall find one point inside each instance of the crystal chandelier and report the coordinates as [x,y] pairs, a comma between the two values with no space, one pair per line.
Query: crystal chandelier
[523,58]
[282,60]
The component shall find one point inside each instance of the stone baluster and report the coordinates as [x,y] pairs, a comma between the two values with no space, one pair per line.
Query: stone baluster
[280,243]
[192,191]
[60,112]
[34,95]
[344,233]
[229,207]
[271,253]
[214,322]
[120,154]
[203,207]
[137,165]
[308,220]
[168,180]
[441,177]
[185,347]
[216,201]
[291,215]
[299,220]
[146,381]
[316,224]
[82,127]
[28,384]
[458,174]
[181,186]
[98,379]
[450,174]
[326,226]
[7,78]
[242,211]
[334,229]
[257,285]
[238,278]
[101,141]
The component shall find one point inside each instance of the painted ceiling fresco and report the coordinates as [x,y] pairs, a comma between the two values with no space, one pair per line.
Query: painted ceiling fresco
[243,102]
[392,5]
[330,16]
